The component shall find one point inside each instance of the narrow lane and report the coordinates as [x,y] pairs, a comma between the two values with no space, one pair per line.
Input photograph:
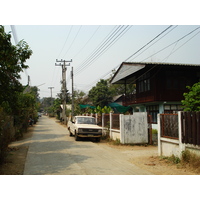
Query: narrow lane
[52,151]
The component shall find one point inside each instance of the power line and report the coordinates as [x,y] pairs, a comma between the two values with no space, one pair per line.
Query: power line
[99,47]
[103,50]
[73,41]
[100,50]
[136,52]
[161,49]
[155,42]
[172,43]
[65,41]
[87,42]
[173,51]
[149,42]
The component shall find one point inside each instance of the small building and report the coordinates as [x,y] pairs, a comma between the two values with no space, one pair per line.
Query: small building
[159,86]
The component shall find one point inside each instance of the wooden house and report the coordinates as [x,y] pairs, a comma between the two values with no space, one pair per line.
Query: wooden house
[159,86]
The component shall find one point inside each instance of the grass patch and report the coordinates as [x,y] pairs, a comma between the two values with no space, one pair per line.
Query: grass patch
[192,159]
[188,159]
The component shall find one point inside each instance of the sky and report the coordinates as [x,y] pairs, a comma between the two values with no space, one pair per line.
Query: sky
[95,46]
[80,43]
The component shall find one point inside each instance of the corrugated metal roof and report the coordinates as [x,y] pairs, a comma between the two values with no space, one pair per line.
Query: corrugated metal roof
[128,68]
[161,63]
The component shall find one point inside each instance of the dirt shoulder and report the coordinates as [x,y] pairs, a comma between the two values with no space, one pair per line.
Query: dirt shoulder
[146,157]
[16,158]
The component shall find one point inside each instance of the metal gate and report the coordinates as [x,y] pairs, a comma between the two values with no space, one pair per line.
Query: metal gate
[169,125]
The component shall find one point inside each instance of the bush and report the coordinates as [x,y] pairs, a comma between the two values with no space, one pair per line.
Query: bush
[154,131]
[192,159]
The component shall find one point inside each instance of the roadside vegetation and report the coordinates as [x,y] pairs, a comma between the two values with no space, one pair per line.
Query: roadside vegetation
[17,102]
[192,98]
[188,159]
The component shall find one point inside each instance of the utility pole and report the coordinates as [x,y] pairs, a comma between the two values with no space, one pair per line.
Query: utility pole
[72,77]
[51,94]
[63,64]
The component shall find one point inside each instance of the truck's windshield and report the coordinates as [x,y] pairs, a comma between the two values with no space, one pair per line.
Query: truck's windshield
[85,120]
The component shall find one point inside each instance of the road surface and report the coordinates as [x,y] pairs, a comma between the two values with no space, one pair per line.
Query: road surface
[53,152]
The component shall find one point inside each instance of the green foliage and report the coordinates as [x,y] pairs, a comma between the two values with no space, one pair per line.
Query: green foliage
[192,159]
[105,110]
[79,99]
[12,62]
[154,131]
[101,95]
[173,159]
[15,106]
[186,156]
[192,98]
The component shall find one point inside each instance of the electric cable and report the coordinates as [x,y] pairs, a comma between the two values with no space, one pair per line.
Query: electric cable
[149,42]
[172,43]
[181,45]
[73,41]
[105,49]
[100,45]
[154,42]
[65,41]
[141,48]
[87,42]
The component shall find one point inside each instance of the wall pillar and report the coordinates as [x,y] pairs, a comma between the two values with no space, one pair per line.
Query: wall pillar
[111,125]
[181,145]
[121,120]
[159,136]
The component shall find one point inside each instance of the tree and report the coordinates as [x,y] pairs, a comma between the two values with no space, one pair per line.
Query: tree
[13,103]
[101,94]
[192,98]
[12,62]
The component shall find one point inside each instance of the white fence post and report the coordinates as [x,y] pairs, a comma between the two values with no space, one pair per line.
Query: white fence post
[159,136]
[181,145]
[111,125]
[121,121]
[96,116]
[103,120]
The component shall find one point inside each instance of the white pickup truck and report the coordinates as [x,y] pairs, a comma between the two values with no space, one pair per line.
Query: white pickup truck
[84,126]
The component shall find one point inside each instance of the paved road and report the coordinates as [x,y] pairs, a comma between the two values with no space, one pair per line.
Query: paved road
[53,152]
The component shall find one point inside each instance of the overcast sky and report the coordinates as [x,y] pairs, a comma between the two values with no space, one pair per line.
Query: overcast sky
[94,54]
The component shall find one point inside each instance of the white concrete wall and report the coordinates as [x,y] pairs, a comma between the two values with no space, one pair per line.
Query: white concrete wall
[169,147]
[134,128]
[115,134]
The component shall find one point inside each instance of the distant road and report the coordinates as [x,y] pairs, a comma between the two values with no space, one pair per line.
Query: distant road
[53,152]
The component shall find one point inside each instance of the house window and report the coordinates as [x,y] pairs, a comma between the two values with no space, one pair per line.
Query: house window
[144,83]
[172,108]
[153,111]
[176,80]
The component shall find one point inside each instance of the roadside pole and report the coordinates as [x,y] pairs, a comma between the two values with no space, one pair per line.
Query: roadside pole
[72,77]
[64,86]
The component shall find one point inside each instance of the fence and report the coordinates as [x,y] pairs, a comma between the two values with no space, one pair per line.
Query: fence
[182,134]
[169,125]
[190,127]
